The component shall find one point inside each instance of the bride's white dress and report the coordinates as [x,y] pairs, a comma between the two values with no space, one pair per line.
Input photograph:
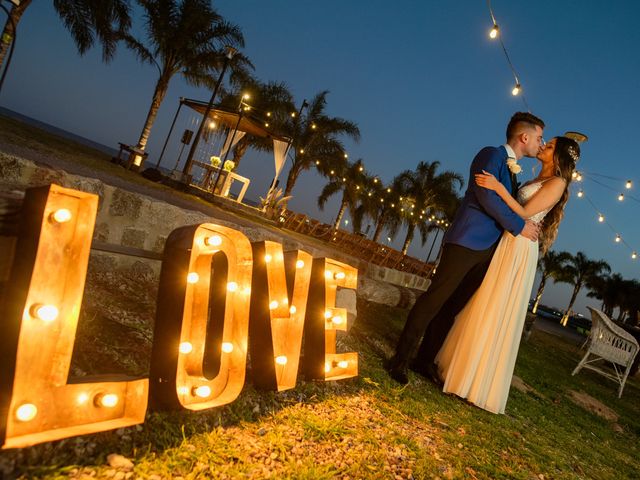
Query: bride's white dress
[477,359]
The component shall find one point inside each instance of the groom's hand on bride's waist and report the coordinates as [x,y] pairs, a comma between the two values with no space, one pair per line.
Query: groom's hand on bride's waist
[531,230]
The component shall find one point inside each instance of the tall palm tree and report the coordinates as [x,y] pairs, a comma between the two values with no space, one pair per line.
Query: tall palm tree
[186,37]
[387,214]
[89,21]
[371,203]
[550,266]
[578,271]
[351,181]
[271,105]
[316,140]
[424,192]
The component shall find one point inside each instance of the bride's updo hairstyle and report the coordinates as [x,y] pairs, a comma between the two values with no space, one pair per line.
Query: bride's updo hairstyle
[565,156]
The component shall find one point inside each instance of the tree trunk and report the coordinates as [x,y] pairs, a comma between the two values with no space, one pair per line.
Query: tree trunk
[378,230]
[8,33]
[158,96]
[543,281]
[574,295]
[343,208]
[407,240]
[292,178]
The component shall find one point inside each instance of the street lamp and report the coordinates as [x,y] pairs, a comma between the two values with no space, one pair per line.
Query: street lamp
[230,53]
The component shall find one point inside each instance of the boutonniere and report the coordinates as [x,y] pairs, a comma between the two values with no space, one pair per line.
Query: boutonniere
[512,163]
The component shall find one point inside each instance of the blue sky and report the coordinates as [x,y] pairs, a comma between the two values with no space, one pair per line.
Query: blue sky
[421,79]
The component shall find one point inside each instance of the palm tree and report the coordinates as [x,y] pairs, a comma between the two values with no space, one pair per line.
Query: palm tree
[186,37]
[447,213]
[271,105]
[607,289]
[387,215]
[316,140]
[550,266]
[87,20]
[371,203]
[351,181]
[424,192]
[578,271]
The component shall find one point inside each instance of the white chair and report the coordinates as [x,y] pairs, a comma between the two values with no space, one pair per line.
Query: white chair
[610,343]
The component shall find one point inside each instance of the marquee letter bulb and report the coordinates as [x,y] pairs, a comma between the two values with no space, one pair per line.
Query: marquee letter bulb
[232,286]
[109,400]
[227,347]
[46,313]
[203,391]
[61,215]
[281,360]
[213,241]
[193,277]
[26,412]
[186,347]
[299,264]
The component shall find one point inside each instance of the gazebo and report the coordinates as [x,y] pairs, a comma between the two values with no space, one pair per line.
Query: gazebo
[238,123]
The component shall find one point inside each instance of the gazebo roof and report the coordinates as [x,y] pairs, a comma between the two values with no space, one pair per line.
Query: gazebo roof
[230,119]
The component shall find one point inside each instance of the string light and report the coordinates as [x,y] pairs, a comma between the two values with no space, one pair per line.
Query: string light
[601,218]
[628,185]
[634,255]
[580,193]
[516,89]
[493,33]
[621,197]
[618,238]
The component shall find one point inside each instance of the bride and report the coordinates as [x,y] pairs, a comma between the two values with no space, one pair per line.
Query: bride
[477,359]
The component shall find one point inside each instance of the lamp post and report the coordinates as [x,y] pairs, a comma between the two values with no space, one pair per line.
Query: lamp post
[187,166]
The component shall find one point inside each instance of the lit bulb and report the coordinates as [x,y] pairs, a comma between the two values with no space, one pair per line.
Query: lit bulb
[203,391]
[193,277]
[46,313]
[601,218]
[232,286]
[61,215]
[108,400]
[339,275]
[628,185]
[185,347]
[299,264]
[327,314]
[246,290]
[82,398]
[313,126]
[281,360]
[227,347]
[618,238]
[621,197]
[302,150]
[516,89]
[494,31]
[578,177]
[293,114]
[26,412]
[212,124]
[574,174]
[273,305]
[268,258]
[361,168]
[246,96]
[327,367]
[317,162]
[343,364]
[634,255]
[346,156]
[292,309]
[328,274]
[336,320]
[213,241]
[285,301]
[580,193]
[183,390]
[268,114]
[266,124]
[388,190]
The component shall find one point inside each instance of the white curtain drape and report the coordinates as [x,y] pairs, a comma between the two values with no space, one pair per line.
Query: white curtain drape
[279,152]
[228,145]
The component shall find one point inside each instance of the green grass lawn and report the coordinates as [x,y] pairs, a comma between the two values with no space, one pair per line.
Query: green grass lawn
[370,427]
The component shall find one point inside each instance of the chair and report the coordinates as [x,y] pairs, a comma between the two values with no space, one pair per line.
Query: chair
[610,343]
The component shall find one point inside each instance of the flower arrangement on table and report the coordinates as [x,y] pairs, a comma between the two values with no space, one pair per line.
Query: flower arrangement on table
[215,161]
[228,165]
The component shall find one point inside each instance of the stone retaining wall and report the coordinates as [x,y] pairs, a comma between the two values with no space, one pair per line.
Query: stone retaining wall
[131,219]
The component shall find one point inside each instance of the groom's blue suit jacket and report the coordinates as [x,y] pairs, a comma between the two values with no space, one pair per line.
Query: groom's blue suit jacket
[483,215]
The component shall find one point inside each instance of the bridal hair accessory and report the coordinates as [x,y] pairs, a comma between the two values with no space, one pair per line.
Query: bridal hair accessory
[573,153]
[512,163]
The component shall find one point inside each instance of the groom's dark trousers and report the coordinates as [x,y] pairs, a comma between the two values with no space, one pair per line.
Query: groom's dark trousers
[458,276]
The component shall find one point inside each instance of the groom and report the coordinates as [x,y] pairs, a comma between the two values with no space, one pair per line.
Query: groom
[467,249]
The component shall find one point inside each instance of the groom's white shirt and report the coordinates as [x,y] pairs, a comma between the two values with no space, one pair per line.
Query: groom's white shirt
[510,152]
